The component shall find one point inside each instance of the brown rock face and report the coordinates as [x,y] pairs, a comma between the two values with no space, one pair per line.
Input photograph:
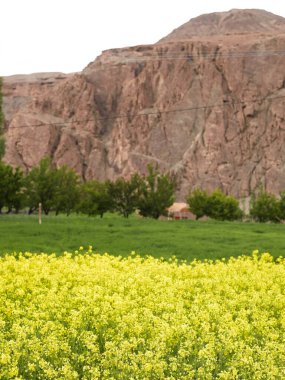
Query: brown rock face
[209,108]
[237,21]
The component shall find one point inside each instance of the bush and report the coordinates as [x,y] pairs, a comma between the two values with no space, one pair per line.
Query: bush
[216,205]
[265,207]
[223,207]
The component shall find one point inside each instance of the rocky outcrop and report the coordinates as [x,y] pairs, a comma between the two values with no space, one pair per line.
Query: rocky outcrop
[209,108]
[235,22]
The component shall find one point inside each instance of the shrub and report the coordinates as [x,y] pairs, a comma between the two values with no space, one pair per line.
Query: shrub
[198,201]
[223,207]
[216,205]
[265,207]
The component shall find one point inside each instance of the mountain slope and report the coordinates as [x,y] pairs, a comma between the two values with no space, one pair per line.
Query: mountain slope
[210,109]
[236,21]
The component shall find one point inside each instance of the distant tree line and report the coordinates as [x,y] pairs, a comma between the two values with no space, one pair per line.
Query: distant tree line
[60,190]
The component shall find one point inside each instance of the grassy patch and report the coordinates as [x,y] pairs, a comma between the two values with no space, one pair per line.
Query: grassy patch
[113,234]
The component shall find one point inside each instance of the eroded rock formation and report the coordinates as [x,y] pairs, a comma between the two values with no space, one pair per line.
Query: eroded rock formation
[206,102]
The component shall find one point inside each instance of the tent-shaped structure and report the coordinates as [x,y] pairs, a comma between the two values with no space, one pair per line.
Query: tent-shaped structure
[180,210]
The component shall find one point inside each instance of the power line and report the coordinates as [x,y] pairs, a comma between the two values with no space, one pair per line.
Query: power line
[189,57]
[158,112]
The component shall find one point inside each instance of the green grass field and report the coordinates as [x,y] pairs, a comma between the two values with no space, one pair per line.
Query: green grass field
[116,235]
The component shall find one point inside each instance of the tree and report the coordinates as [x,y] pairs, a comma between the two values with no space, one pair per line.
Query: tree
[125,194]
[156,194]
[66,195]
[11,183]
[41,186]
[198,202]
[15,196]
[282,205]
[94,198]
[2,140]
[265,207]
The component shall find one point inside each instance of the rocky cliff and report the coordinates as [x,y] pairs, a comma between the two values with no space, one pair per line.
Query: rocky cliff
[206,102]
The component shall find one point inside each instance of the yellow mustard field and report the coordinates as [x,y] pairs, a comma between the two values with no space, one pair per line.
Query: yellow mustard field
[91,316]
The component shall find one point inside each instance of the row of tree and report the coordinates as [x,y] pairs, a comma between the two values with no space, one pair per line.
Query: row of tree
[61,191]
[264,207]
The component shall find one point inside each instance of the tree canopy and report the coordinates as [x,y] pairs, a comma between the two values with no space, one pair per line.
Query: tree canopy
[157,193]
[125,194]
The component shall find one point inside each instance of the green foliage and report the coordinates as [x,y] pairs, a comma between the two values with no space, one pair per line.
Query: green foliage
[11,184]
[125,194]
[59,190]
[157,193]
[198,201]
[41,186]
[217,205]
[15,198]
[66,196]
[56,189]
[223,207]
[94,198]
[2,140]
[265,207]
[282,205]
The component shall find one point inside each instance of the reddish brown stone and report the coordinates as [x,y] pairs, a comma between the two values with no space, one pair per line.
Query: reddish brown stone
[199,105]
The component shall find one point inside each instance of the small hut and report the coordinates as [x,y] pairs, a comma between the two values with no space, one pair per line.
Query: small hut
[180,210]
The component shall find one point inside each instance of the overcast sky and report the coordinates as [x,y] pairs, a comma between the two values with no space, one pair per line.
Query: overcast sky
[65,35]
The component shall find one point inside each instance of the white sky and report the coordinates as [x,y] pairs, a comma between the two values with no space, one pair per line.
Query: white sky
[65,35]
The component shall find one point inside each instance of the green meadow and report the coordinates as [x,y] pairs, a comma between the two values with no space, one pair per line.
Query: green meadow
[116,235]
